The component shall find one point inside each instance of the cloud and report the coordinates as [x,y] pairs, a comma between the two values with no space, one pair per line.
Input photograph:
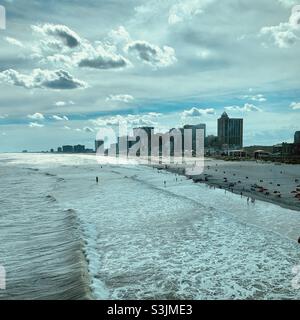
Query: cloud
[35,125]
[288,3]
[258,97]
[42,79]
[3,116]
[65,47]
[119,36]
[14,42]
[120,97]
[69,37]
[130,120]
[246,108]
[59,118]
[196,112]
[285,34]
[88,129]
[295,105]
[100,58]
[36,116]
[186,9]
[152,54]
[64,103]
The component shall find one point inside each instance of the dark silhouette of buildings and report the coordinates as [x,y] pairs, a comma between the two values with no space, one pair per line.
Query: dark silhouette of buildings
[98,144]
[79,148]
[68,149]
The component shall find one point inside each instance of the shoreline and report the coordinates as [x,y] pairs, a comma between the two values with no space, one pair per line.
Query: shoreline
[218,183]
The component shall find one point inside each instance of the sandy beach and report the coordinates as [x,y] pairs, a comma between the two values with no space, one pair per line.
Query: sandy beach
[275,183]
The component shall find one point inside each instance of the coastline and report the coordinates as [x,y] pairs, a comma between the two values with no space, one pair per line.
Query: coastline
[210,178]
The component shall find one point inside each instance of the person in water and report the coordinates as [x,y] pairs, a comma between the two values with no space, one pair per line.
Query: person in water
[299,240]
[97,180]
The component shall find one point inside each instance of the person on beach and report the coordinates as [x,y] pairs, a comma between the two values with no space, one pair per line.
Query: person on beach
[97,180]
[299,240]
[165,183]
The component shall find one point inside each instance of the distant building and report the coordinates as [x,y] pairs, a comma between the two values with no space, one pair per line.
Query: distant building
[98,144]
[297,137]
[52,150]
[148,131]
[258,154]
[68,149]
[79,148]
[194,129]
[230,132]
[59,149]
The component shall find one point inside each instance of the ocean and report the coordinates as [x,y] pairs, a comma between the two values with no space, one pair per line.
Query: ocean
[63,236]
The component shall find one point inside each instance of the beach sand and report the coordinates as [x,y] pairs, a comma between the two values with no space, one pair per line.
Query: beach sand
[276,179]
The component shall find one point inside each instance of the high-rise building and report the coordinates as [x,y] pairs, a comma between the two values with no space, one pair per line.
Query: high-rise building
[194,128]
[98,144]
[148,131]
[230,132]
[297,137]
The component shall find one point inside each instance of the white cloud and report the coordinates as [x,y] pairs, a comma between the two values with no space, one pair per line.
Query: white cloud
[120,97]
[35,125]
[69,38]
[14,42]
[186,9]
[88,129]
[130,120]
[246,108]
[295,105]
[64,103]
[286,33]
[59,118]
[43,79]
[36,116]
[67,48]
[100,57]
[196,112]
[152,54]
[119,36]
[258,97]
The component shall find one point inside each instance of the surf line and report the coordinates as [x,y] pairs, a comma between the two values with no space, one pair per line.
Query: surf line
[118,310]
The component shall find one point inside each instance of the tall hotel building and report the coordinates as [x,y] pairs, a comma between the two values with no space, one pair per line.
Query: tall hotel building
[230,132]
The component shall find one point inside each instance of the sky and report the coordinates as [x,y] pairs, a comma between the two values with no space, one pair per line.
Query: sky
[70,67]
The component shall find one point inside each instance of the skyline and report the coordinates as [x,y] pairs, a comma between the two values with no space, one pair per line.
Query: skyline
[64,79]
